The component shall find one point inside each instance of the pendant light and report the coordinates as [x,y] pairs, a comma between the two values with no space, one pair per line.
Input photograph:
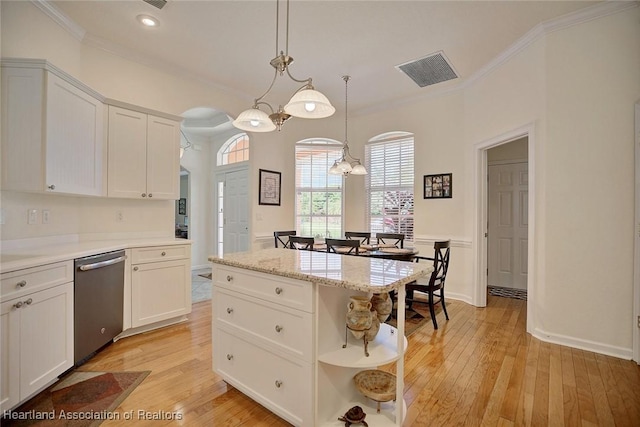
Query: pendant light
[347,164]
[306,102]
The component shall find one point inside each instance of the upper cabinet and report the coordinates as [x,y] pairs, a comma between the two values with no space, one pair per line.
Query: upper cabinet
[53,137]
[144,155]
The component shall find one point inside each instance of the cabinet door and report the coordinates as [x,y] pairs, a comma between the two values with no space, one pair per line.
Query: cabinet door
[127,153]
[9,355]
[74,140]
[46,337]
[163,158]
[160,291]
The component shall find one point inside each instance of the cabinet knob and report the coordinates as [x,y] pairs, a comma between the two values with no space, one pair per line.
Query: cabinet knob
[29,301]
[18,304]
[144,194]
[150,195]
[21,284]
[163,253]
[51,187]
[278,383]
[278,291]
[229,356]
[279,328]
[135,268]
[229,310]
[229,278]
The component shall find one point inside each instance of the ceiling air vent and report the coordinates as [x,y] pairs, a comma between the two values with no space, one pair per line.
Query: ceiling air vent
[156,3]
[429,70]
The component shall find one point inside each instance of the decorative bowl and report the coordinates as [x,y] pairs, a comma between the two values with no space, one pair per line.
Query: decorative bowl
[376,384]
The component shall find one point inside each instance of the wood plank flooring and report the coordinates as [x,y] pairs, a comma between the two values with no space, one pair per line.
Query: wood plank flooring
[479,368]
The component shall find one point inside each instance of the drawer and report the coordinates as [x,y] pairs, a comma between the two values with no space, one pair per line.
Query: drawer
[283,386]
[292,293]
[285,329]
[21,282]
[159,253]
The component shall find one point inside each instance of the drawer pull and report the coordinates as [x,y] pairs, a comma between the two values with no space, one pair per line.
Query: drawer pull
[278,383]
[144,195]
[229,278]
[29,301]
[278,291]
[18,304]
[51,187]
[279,328]
[150,195]
[135,268]
[21,284]
[229,356]
[229,310]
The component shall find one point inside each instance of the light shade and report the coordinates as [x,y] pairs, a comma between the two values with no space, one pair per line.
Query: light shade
[309,104]
[254,120]
[358,169]
[333,170]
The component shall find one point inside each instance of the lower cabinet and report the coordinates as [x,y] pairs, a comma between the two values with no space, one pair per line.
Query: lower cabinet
[160,284]
[36,342]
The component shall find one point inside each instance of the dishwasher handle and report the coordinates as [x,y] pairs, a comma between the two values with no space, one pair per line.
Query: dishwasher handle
[101,264]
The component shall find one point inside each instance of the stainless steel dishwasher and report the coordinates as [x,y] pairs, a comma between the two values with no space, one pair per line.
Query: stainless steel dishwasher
[98,302]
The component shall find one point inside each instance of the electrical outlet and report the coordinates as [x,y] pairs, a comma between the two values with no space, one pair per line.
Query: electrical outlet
[32,216]
[46,216]
[119,216]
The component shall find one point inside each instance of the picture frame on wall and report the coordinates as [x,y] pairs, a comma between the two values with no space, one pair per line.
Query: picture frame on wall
[438,186]
[269,187]
[182,206]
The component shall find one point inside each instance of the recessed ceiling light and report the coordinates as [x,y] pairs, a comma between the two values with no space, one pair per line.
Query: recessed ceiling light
[148,21]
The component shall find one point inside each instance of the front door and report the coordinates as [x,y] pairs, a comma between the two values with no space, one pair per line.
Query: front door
[508,225]
[236,211]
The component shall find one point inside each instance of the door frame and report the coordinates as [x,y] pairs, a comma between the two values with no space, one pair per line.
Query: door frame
[636,244]
[221,172]
[481,209]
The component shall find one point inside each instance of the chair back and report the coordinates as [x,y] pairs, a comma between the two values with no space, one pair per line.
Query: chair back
[301,243]
[282,237]
[396,239]
[364,237]
[343,246]
[440,259]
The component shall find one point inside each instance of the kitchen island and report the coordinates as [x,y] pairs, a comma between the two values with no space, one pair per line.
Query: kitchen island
[280,336]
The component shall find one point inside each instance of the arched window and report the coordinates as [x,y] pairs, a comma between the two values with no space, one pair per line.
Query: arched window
[319,195]
[389,184]
[235,150]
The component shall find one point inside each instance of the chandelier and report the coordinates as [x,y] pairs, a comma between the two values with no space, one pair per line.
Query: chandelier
[184,147]
[306,102]
[347,164]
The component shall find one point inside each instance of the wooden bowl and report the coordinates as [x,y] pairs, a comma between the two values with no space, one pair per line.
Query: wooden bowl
[376,384]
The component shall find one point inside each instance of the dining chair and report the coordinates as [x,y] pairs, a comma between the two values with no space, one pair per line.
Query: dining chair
[279,235]
[343,246]
[301,243]
[434,283]
[393,238]
[365,238]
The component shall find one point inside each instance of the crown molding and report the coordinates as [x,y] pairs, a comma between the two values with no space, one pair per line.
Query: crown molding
[60,18]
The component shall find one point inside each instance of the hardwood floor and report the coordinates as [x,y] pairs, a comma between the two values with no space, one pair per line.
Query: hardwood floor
[479,368]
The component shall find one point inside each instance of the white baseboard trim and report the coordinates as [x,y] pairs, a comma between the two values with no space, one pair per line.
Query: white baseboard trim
[458,297]
[609,350]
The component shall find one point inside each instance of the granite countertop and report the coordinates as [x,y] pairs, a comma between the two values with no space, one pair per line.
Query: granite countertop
[34,255]
[346,271]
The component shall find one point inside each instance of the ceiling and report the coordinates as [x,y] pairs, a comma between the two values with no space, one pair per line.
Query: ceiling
[230,43]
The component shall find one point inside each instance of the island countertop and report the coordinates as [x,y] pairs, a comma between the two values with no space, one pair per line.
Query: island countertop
[346,271]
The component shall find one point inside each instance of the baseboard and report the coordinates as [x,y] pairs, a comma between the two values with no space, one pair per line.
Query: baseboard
[595,347]
[151,327]
[458,297]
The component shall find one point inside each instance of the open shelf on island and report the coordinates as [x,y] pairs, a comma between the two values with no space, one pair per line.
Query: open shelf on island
[386,417]
[382,350]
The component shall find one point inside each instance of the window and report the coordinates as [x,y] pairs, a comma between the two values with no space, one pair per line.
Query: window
[389,184]
[234,150]
[319,195]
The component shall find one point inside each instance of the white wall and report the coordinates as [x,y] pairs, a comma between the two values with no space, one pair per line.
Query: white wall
[576,85]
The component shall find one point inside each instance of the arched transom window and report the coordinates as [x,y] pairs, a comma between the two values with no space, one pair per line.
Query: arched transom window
[235,150]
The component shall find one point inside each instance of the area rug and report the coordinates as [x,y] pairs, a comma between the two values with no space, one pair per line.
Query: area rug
[499,291]
[412,321]
[206,276]
[80,399]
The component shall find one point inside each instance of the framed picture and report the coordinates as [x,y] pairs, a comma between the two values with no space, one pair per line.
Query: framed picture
[438,186]
[269,188]
[182,206]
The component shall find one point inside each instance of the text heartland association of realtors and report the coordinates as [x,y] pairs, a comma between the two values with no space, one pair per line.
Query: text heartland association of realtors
[140,414]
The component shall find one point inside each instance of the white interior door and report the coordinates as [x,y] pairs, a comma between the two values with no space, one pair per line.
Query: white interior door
[236,211]
[508,225]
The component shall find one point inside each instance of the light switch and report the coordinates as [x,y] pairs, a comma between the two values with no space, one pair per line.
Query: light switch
[32,217]
[46,216]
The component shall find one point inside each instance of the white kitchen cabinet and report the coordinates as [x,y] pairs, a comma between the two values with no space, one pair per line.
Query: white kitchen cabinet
[264,341]
[36,330]
[144,155]
[160,284]
[53,137]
